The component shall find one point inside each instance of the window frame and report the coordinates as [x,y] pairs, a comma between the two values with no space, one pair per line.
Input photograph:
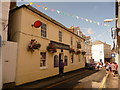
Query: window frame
[54,61]
[67,60]
[43,30]
[60,36]
[43,67]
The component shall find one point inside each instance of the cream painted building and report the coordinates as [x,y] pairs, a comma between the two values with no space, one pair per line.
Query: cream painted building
[56,42]
[88,49]
[101,51]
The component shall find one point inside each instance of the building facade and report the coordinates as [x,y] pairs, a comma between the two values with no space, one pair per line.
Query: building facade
[40,49]
[4,14]
[117,45]
[101,51]
[88,49]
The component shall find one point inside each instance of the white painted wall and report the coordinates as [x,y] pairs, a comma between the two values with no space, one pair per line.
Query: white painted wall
[9,62]
[4,13]
[98,52]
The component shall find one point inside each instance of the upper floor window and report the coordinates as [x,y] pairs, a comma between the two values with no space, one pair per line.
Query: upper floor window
[43,30]
[60,36]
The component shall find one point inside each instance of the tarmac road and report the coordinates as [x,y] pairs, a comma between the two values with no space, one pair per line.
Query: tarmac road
[71,82]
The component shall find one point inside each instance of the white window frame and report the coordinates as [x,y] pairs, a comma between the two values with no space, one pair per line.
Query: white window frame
[42,34]
[43,67]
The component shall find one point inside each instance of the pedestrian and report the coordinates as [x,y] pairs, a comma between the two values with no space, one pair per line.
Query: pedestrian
[107,66]
[61,68]
[116,71]
[113,68]
[97,65]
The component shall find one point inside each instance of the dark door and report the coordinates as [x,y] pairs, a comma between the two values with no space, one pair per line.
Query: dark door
[59,61]
[59,57]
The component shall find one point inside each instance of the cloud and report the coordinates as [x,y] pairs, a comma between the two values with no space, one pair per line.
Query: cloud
[90,31]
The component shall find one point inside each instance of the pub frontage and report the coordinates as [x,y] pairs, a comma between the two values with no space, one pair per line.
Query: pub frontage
[42,43]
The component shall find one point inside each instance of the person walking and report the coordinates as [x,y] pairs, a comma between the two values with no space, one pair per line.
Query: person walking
[113,68]
[107,66]
[61,68]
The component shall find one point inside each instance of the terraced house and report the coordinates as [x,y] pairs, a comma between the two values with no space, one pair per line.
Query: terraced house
[42,43]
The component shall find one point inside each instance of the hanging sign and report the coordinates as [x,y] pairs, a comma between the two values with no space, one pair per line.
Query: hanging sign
[37,24]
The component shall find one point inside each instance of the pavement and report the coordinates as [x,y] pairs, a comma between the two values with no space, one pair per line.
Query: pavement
[112,82]
[93,81]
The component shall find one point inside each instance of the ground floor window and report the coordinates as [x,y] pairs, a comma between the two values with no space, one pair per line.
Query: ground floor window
[56,61]
[65,60]
[42,59]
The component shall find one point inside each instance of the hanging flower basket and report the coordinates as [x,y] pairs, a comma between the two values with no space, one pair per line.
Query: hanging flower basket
[72,50]
[83,52]
[33,45]
[51,48]
[77,52]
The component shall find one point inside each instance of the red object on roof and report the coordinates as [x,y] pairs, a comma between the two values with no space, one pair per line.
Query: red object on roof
[37,24]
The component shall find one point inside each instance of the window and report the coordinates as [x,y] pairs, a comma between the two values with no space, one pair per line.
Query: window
[42,59]
[72,58]
[43,30]
[60,36]
[56,62]
[65,60]
[71,40]
[79,45]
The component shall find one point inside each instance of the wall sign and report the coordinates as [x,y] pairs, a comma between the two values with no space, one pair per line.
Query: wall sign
[61,45]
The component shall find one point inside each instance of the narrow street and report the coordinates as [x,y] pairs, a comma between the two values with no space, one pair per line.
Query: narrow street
[77,79]
[46,46]
[81,80]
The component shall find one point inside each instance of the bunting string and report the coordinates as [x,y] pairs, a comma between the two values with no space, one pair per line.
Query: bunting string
[67,14]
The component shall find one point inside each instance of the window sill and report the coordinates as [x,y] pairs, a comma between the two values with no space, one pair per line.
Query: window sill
[43,67]
[72,63]
[44,38]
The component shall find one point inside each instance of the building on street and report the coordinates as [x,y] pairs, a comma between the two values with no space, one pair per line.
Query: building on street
[42,42]
[101,51]
[117,36]
[88,49]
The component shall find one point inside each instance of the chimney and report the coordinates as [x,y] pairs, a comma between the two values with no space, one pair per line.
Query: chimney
[12,4]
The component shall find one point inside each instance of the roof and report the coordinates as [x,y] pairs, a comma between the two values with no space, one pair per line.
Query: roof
[44,16]
[98,42]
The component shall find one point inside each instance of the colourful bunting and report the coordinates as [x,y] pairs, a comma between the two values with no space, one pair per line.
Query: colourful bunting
[52,10]
[77,17]
[86,20]
[90,21]
[58,11]
[46,8]
[38,5]
[31,3]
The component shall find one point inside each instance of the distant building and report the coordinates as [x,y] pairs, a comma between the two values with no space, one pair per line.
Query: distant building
[101,51]
[88,49]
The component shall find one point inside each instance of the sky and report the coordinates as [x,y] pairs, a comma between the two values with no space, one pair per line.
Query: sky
[95,11]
